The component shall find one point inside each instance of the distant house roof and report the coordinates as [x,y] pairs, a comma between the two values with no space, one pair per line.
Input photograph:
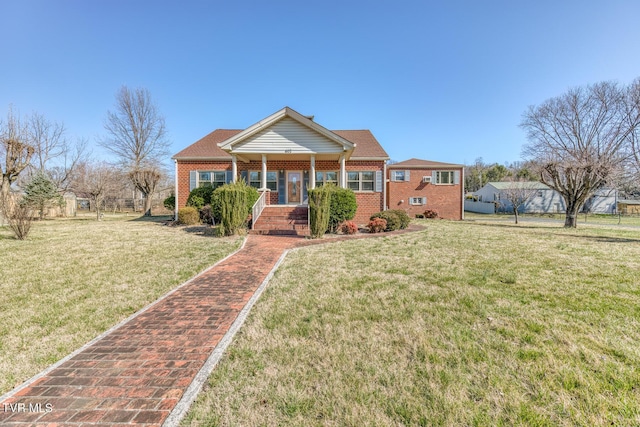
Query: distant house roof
[419,163]
[505,185]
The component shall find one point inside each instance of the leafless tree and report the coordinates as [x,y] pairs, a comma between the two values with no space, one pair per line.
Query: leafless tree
[48,139]
[137,136]
[633,140]
[97,181]
[17,150]
[517,194]
[575,140]
[54,154]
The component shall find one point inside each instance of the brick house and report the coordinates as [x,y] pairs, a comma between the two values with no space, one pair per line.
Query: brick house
[283,155]
[416,185]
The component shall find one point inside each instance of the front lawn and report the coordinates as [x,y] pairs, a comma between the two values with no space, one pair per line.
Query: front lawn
[460,324]
[72,279]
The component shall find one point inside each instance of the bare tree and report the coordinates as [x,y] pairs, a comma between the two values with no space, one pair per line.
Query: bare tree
[48,140]
[137,136]
[633,140]
[16,149]
[575,140]
[97,181]
[517,194]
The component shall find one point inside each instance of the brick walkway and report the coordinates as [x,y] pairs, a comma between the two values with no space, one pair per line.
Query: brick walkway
[137,373]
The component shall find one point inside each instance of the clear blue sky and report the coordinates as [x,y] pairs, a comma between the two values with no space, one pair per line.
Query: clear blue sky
[439,80]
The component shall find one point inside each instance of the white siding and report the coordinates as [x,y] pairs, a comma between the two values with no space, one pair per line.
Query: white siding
[287,136]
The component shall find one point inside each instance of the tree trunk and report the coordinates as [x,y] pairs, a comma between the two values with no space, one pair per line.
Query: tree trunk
[147,205]
[571,218]
[515,212]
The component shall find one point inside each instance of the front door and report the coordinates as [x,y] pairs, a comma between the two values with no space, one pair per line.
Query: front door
[294,187]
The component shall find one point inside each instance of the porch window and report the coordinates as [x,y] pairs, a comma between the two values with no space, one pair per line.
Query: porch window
[323,178]
[361,181]
[255,180]
[211,179]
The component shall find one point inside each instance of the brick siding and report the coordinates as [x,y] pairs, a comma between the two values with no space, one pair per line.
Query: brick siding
[445,199]
[368,202]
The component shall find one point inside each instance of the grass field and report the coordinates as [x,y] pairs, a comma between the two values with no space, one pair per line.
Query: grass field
[461,324]
[614,221]
[75,278]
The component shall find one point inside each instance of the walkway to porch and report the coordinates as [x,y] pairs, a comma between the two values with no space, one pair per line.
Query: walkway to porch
[147,370]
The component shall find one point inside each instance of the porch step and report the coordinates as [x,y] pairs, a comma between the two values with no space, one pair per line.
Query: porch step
[283,220]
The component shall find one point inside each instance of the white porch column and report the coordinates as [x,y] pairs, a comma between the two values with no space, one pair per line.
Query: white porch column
[343,173]
[177,206]
[234,168]
[312,173]
[263,176]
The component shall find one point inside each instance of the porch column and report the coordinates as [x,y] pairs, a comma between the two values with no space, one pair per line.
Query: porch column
[263,180]
[343,173]
[234,168]
[312,173]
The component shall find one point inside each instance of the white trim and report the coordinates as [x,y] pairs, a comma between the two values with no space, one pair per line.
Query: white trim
[277,116]
[175,207]
[197,159]
[343,172]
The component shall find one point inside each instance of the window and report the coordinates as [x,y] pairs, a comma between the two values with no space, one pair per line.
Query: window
[255,180]
[212,179]
[326,178]
[417,200]
[397,176]
[444,177]
[361,181]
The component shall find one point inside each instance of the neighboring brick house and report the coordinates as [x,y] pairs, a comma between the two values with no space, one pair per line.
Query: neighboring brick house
[283,155]
[416,185]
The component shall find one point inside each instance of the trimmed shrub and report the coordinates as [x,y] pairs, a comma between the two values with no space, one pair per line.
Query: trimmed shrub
[233,207]
[216,201]
[170,203]
[348,227]
[393,221]
[342,207]
[188,216]
[198,197]
[377,225]
[404,218]
[319,204]
[431,214]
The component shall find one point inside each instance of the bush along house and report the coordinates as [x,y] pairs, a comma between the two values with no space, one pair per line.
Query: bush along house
[286,153]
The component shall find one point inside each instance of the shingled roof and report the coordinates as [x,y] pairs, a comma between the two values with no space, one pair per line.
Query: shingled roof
[419,163]
[366,145]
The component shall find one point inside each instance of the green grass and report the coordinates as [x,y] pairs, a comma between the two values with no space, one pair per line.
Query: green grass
[461,324]
[614,221]
[75,278]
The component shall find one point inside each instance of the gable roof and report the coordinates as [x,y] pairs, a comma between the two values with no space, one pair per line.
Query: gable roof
[419,163]
[276,117]
[362,143]
[505,185]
